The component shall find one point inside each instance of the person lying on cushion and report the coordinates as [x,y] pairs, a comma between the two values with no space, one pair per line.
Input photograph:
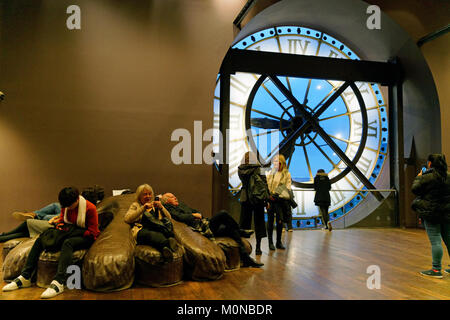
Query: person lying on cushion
[221,225]
[80,217]
[35,222]
[151,222]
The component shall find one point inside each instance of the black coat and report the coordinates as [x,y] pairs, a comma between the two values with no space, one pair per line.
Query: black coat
[433,197]
[322,185]
[245,171]
[182,213]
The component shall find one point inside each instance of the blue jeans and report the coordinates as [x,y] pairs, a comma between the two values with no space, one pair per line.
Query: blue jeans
[435,232]
[48,212]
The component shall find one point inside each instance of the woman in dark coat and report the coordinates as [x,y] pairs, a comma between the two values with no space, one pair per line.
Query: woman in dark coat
[432,189]
[250,206]
[322,186]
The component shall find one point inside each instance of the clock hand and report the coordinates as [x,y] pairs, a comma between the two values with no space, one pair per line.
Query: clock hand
[288,153]
[331,100]
[313,122]
[342,172]
[266,123]
[288,141]
[348,162]
[300,108]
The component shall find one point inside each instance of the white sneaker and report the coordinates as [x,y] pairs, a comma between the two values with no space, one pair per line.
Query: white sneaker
[17,283]
[53,290]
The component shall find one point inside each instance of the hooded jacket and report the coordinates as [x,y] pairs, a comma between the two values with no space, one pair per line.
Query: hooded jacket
[433,196]
[322,185]
[245,171]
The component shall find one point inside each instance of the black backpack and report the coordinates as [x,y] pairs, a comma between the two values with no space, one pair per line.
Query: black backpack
[93,194]
[257,189]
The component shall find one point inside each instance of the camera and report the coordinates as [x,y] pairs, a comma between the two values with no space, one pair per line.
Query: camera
[2,96]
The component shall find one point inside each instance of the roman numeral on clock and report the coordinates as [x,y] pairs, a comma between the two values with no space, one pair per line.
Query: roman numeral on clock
[296,47]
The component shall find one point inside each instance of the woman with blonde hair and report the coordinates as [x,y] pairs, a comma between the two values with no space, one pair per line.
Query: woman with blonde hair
[152,224]
[279,182]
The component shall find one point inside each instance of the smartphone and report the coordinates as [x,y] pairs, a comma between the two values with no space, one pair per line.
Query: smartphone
[155,208]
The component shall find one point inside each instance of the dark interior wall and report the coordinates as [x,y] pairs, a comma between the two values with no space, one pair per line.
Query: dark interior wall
[420,18]
[98,105]
[437,53]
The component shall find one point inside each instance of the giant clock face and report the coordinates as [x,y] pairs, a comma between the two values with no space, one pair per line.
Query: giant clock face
[312,122]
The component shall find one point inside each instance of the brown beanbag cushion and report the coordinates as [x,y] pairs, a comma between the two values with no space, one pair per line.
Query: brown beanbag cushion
[11,244]
[48,265]
[203,259]
[109,263]
[231,250]
[151,269]
[16,259]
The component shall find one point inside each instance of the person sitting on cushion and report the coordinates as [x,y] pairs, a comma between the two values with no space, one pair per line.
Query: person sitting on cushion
[151,222]
[34,223]
[76,212]
[221,224]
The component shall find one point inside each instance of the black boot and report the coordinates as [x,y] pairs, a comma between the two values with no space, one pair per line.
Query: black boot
[258,251]
[270,233]
[248,261]
[271,246]
[280,245]
[279,231]
[171,245]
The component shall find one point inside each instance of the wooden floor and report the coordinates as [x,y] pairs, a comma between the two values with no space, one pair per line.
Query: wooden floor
[316,265]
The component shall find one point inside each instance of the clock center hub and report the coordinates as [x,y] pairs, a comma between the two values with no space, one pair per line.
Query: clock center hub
[297,122]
